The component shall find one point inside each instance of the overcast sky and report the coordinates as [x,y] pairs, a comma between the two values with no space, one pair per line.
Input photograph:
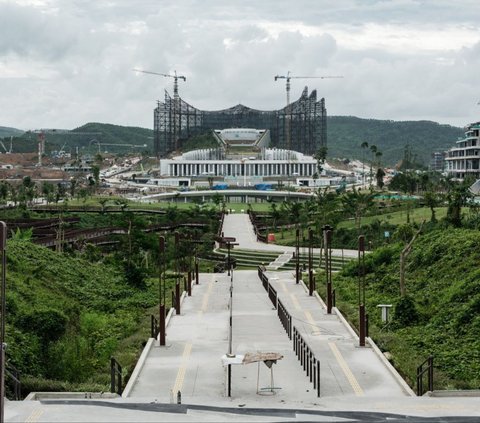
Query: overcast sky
[67,62]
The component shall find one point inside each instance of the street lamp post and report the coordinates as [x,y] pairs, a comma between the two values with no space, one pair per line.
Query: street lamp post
[361,289]
[3,307]
[327,234]
[161,288]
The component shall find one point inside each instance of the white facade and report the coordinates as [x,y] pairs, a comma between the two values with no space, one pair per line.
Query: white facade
[270,163]
[464,159]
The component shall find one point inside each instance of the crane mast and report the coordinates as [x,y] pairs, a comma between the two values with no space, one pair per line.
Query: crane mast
[176,98]
[288,112]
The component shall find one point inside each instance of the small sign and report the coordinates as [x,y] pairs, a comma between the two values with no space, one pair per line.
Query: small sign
[387,234]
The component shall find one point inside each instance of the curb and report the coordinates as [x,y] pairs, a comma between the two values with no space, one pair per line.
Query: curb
[399,379]
[138,368]
[141,361]
[371,342]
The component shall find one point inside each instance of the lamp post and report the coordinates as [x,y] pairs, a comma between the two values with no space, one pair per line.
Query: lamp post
[327,234]
[161,288]
[361,290]
[3,307]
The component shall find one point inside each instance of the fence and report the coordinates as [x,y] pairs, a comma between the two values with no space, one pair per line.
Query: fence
[14,375]
[285,318]
[303,351]
[310,364]
[425,367]
[116,380]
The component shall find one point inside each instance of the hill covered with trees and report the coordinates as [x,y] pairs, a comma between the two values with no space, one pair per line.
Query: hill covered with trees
[345,136]
[347,133]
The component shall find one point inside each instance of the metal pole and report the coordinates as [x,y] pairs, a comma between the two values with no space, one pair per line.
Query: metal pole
[361,289]
[327,238]
[297,255]
[189,283]
[161,290]
[3,307]
[310,262]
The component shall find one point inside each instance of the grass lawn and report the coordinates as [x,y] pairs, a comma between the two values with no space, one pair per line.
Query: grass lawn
[394,218]
[398,217]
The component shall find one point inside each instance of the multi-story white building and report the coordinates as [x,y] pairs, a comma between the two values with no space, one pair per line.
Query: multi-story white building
[464,159]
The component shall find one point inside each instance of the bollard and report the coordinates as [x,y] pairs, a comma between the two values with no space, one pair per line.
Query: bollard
[189,284]
[162,324]
[179,397]
[196,273]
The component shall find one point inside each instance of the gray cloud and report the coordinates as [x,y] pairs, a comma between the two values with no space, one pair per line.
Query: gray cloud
[69,62]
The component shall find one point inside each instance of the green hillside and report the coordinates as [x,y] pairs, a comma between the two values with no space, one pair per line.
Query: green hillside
[346,134]
[66,316]
[441,313]
[9,132]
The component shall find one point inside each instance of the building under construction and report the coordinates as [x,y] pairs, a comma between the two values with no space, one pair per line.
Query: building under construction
[300,126]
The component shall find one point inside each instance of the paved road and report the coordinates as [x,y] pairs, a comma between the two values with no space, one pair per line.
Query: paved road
[238,225]
[355,383]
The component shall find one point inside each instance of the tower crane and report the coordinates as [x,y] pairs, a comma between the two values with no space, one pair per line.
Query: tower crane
[174,76]
[176,99]
[287,78]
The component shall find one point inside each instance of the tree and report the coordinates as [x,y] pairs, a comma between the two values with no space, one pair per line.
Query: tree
[457,196]
[96,175]
[364,147]
[403,259]
[321,157]
[379,177]
[356,204]
[432,200]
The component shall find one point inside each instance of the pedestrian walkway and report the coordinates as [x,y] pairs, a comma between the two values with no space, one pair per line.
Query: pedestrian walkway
[239,226]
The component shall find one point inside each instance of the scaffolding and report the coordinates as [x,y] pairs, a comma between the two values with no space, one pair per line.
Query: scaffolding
[175,121]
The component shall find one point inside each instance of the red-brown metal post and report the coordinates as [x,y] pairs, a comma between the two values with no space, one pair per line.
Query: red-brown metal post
[361,290]
[177,297]
[189,283]
[328,267]
[196,272]
[3,307]
[310,262]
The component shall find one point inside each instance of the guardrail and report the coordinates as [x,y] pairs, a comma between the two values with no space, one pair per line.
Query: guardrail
[310,364]
[14,375]
[302,350]
[285,318]
[425,367]
[116,380]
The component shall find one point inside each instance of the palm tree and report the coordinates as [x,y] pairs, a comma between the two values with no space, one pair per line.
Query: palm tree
[364,147]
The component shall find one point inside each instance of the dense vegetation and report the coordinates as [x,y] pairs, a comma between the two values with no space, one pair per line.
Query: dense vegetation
[346,133]
[8,132]
[439,316]
[68,312]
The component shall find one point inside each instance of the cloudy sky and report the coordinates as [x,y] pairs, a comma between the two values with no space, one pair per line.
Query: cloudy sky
[67,62]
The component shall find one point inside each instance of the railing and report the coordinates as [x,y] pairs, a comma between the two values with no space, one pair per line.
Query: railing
[425,367]
[14,375]
[310,364]
[154,327]
[260,237]
[304,353]
[116,380]
[285,318]
[272,294]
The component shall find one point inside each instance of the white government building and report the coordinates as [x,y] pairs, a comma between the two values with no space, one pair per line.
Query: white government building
[242,158]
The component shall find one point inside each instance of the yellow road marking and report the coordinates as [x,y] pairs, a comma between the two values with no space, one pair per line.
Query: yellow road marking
[183,368]
[206,298]
[348,373]
[309,317]
[295,302]
[34,416]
